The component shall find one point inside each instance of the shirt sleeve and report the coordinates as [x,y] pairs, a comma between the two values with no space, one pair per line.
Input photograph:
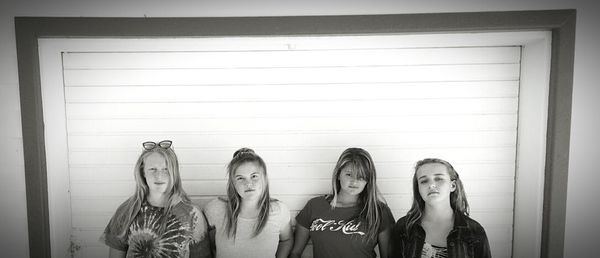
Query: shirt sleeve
[483,248]
[304,216]
[284,214]
[396,240]
[111,236]
[213,210]
[200,244]
[387,218]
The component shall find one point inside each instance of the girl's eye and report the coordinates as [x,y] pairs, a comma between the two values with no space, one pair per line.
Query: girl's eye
[238,178]
[439,179]
[424,182]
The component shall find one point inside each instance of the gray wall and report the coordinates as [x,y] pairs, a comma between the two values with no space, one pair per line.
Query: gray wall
[582,227]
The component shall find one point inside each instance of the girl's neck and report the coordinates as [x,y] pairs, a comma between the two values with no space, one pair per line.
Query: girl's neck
[157,200]
[249,204]
[438,213]
[249,209]
[346,200]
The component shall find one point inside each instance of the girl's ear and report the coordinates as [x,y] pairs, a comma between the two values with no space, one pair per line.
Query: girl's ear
[453,186]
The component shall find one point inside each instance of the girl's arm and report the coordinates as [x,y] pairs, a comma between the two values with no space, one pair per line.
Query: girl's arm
[114,253]
[286,240]
[211,238]
[300,240]
[210,225]
[396,245]
[202,248]
[482,249]
[383,241]
[200,244]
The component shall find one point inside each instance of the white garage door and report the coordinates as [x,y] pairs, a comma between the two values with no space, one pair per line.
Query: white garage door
[299,102]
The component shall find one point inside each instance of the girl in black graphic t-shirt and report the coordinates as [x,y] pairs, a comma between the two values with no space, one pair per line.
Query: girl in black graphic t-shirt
[350,221]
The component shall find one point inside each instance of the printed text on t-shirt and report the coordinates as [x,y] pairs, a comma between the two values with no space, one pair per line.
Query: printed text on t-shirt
[347,227]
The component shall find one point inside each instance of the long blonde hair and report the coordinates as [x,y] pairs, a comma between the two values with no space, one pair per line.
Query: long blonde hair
[458,198]
[234,200]
[370,198]
[132,206]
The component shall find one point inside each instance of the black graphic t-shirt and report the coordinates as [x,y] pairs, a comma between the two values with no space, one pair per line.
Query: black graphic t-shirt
[185,234]
[337,232]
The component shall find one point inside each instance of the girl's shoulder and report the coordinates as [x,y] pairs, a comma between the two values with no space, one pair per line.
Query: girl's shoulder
[187,207]
[216,207]
[320,200]
[383,206]
[125,206]
[474,226]
[278,207]
[216,203]
[402,221]
[382,202]
[399,229]
[215,211]
[279,212]
[316,204]
[188,211]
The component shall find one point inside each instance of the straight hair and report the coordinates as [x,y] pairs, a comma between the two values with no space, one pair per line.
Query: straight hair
[370,199]
[458,198]
[234,200]
[134,203]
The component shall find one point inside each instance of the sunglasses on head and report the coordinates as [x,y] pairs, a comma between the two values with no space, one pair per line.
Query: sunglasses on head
[162,144]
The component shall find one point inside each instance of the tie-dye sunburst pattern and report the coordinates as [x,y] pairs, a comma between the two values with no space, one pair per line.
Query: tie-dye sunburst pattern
[145,241]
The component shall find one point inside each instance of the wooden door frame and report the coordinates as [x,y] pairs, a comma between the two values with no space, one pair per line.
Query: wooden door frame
[560,22]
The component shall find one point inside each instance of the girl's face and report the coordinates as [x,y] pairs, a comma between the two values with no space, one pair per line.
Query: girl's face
[434,183]
[350,182]
[248,180]
[156,174]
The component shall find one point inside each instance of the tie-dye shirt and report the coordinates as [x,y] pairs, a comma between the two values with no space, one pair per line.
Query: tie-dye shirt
[337,232]
[185,233]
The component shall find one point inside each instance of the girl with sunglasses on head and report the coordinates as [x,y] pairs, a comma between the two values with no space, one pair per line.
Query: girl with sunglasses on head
[248,223]
[352,220]
[438,223]
[158,220]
